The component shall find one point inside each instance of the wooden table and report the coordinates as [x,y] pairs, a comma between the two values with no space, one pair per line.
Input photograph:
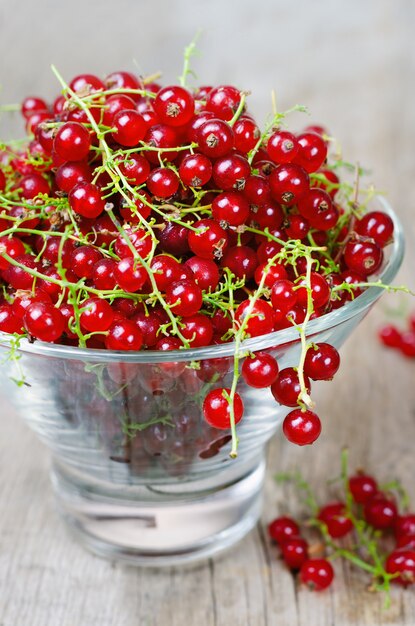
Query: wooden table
[359,76]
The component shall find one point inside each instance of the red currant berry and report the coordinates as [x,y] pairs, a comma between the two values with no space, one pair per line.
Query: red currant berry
[205,272]
[97,315]
[294,552]
[223,101]
[390,336]
[301,427]
[405,525]
[33,185]
[273,273]
[115,104]
[13,247]
[124,82]
[130,275]
[217,409]
[198,330]
[380,511]
[31,105]
[321,362]
[135,168]
[282,147]
[283,528]
[86,83]
[231,208]
[283,295]
[18,277]
[130,127]
[83,260]
[209,240]
[195,170]
[377,226]
[43,321]
[334,517]
[231,172]
[72,142]
[86,200]
[161,136]
[312,151]
[362,488]
[138,240]
[288,183]
[103,274]
[407,345]
[246,134]
[320,291]
[260,370]
[286,388]
[257,317]
[70,174]
[268,215]
[296,227]
[402,562]
[215,138]
[165,270]
[163,182]
[317,574]
[9,323]
[257,191]
[174,106]
[184,297]
[124,335]
[363,257]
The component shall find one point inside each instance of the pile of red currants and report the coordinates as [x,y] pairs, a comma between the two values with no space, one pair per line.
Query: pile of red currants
[139,217]
[367,512]
[403,341]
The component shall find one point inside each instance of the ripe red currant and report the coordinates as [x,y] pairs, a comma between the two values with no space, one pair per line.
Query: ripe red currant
[301,427]
[184,297]
[260,370]
[362,487]
[283,528]
[317,574]
[217,410]
[72,142]
[174,105]
[380,511]
[288,183]
[321,362]
[334,516]
[43,321]
[294,552]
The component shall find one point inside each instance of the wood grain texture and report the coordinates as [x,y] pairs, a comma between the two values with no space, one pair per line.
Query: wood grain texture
[353,64]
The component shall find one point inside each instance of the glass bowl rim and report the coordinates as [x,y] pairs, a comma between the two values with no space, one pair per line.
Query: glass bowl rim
[262,342]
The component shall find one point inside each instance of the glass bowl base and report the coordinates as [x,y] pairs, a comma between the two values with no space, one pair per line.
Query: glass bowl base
[164,530]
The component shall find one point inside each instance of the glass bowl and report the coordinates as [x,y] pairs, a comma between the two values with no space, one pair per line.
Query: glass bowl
[137,473]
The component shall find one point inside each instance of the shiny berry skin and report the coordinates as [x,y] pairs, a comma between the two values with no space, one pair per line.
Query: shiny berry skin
[402,562]
[195,170]
[2,181]
[317,574]
[209,241]
[174,105]
[215,138]
[407,345]
[97,315]
[31,105]
[333,516]
[405,525]
[286,388]
[18,277]
[83,260]
[198,330]
[13,247]
[130,128]
[273,273]
[9,323]
[282,147]
[283,295]
[320,291]
[124,335]
[241,260]
[198,120]
[223,101]
[86,200]
[174,239]
[283,528]
[131,211]
[230,207]
[130,275]
[43,321]
[296,227]
[32,185]
[71,173]
[380,511]
[301,427]
[314,203]
[294,552]
[246,134]
[259,317]
[260,370]
[268,215]
[363,257]
[377,226]
[115,104]
[122,82]
[135,168]
[312,151]
[321,362]
[231,172]
[165,270]
[288,183]
[86,83]
[362,487]
[403,541]
[149,326]
[163,182]
[205,272]
[23,299]
[184,297]
[103,274]
[257,190]
[72,142]
[217,411]
[161,136]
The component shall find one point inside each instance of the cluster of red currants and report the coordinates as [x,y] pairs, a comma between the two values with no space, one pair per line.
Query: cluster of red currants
[403,341]
[369,512]
[140,217]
